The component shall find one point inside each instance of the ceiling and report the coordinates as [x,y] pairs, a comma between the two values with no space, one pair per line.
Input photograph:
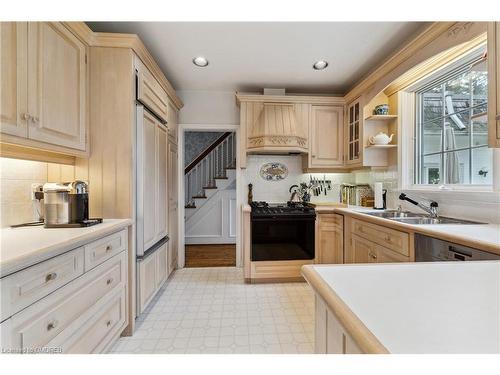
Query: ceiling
[248,56]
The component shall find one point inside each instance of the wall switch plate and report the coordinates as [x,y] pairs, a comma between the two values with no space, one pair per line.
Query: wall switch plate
[36,188]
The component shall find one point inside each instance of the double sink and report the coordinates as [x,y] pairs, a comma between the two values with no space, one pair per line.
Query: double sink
[415,218]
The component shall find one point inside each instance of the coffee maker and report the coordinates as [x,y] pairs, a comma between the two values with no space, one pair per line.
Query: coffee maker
[66,205]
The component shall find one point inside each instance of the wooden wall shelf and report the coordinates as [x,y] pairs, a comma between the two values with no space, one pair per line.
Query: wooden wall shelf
[381,117]
[381,146]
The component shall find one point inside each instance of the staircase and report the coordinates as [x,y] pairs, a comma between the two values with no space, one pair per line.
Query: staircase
[213,170]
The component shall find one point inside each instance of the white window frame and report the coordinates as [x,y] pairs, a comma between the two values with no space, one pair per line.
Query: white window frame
[407,140]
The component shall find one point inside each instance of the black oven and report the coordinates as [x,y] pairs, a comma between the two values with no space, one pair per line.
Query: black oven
[283,237]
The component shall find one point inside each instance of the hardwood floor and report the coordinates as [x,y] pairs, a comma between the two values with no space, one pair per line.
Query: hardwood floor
[210,255]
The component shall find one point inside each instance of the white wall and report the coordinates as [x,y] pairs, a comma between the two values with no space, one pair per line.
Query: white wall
[209,107]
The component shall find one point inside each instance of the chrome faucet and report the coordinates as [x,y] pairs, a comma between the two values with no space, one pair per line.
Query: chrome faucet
[431,209]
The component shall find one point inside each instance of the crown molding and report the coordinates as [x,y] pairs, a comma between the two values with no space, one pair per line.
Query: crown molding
[132,41]
[296,99]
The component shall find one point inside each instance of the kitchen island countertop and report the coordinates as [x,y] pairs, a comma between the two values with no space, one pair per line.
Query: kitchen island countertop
[439,307]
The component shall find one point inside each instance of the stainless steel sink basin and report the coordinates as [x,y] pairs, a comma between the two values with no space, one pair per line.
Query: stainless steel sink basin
[393,214]
[430,220]
[415,218]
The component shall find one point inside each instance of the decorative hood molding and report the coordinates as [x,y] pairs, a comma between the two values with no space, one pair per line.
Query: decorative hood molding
[277,128]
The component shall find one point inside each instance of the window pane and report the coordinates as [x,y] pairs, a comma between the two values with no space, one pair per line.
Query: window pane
[356,112]
[482,166]
[456,166]
[479,89]
[457,132]
[432,104]
[431,140]
[457,94]
[431,169]
[480,131]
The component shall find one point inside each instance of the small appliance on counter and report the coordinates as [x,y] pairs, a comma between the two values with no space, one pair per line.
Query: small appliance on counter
[66,205]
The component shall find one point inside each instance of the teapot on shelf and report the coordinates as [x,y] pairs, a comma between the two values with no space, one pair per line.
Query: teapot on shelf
[380,139]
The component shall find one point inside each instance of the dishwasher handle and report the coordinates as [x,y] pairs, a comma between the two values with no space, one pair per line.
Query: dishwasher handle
[459,254]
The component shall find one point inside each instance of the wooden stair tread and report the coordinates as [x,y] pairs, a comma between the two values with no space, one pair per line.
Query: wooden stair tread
[220,178]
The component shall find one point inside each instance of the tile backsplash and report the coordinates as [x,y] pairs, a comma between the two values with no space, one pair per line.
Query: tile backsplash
[16,177]
[278,191]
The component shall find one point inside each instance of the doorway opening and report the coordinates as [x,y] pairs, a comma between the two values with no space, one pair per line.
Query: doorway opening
[209,193]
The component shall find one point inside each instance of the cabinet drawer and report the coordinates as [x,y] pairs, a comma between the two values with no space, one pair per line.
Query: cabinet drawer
[97,332]
[39,324]
[390,238]
[103,249]
[151,94]
[25,287]
[332,219]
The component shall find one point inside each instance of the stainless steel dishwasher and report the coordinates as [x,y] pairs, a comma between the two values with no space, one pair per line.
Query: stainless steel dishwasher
[428,249]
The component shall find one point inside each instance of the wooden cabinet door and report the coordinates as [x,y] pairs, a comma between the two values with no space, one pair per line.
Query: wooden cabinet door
[147,281]
[161,265]
[13,78]
[327,140]
[149,191]
[330,239]
[494,83]
[161,182]
[363,251]
[354,128]
[57,80]
[150,93]
[384,255]
[172,203]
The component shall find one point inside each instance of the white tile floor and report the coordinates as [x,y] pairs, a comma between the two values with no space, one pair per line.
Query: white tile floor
[211,310]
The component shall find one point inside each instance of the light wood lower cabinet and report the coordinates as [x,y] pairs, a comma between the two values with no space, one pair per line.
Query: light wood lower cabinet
[330,239]
[152,272]
[372,243]
[85,315]
[330,336]
[44,87]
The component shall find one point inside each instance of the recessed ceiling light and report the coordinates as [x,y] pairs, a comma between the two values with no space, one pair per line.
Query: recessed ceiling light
[200,61]
[320,65]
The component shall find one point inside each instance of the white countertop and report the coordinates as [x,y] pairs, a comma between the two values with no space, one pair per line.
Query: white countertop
[482,236]
[441,307]
[25,246]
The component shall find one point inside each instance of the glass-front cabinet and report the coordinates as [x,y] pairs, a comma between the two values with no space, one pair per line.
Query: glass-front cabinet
[353,133]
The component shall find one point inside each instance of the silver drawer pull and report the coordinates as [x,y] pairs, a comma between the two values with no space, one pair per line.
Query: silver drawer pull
[50,276]
[109,248]
[497,118]
[108,323]
[109,281]
[52,325]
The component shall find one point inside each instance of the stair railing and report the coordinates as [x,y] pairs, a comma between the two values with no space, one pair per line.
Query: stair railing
[211,164]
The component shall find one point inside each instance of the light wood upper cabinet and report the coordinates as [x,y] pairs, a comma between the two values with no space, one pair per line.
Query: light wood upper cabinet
[330,239]
[13,78]
[57,76]
[150,93]
[494,83]
[44,87]
[326,133]
[353,136]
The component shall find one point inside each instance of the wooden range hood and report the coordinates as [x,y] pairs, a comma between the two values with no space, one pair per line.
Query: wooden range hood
[277,129]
